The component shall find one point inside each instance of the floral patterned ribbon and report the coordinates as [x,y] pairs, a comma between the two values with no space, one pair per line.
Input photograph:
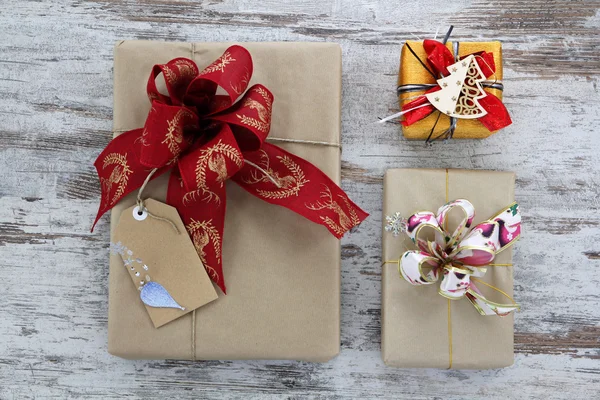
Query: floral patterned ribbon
[460,256]
[206,138]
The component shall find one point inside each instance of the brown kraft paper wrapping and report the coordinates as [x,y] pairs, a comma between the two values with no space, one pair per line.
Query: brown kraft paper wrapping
[415,331]
[412,72]
[282,271]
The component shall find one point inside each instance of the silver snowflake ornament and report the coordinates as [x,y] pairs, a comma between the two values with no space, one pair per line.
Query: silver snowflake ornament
[396,224]
[117,248]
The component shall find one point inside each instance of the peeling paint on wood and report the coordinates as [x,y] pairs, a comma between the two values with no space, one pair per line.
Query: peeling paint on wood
[55,117]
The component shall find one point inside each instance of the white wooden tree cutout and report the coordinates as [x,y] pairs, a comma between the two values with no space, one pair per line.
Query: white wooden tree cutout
[460,90]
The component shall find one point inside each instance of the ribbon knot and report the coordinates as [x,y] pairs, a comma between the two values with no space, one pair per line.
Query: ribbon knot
[209,128]
[458,256]
[180,127]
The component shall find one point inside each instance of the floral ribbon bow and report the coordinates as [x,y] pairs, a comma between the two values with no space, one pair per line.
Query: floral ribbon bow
[462,256]
[205,138]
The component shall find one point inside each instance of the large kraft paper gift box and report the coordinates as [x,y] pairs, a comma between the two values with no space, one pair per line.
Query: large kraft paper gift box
[420,328]
[412,72]
[282,271]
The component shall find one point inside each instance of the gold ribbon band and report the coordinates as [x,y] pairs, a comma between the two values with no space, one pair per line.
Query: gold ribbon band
[448,300]
[194,335]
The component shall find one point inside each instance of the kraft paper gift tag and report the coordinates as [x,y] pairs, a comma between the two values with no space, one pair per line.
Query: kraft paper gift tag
[162,262]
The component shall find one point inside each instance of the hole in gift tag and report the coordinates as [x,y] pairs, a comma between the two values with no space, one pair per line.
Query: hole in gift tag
[139,214]
[168,274]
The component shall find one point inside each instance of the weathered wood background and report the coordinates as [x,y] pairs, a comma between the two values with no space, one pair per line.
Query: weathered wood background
[55,117]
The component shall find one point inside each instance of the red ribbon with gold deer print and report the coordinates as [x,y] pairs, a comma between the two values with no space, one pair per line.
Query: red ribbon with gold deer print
[204,139]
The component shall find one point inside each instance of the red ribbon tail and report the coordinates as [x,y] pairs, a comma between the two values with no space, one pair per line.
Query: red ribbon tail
[497,116]
[197,190]
[278,177]
[120,171]
[204,221]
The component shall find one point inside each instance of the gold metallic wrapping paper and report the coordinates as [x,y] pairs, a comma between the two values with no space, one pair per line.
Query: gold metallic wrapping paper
[417,328]
[412,72]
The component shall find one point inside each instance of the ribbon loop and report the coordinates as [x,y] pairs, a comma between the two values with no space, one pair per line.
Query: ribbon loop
[480,246]
[463,226]
[413,264]
[250,118]
[455,283]
[421,222]
[231,72]
[438,56]
[177,73]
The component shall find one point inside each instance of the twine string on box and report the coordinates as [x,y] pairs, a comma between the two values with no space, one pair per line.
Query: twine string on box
[193,338]
[141,206]
[273,139]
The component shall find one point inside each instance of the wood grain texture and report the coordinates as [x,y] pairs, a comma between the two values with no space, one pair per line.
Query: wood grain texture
[55,117]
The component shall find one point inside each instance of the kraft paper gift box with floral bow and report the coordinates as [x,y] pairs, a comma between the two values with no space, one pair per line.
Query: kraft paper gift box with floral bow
[282,269]
[436,288]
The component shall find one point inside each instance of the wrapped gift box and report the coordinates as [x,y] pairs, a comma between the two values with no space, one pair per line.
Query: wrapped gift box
[420,328]
[412,72]
[282,271]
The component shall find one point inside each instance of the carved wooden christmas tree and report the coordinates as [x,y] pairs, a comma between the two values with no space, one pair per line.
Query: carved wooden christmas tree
[460,90]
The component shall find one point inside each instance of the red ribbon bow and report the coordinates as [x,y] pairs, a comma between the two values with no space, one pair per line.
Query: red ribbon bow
[439,58]
[206,138]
